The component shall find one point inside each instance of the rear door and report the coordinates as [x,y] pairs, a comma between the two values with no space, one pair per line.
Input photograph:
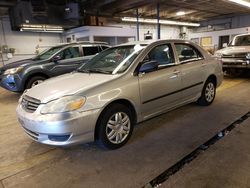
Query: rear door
[192,67]
[160,89]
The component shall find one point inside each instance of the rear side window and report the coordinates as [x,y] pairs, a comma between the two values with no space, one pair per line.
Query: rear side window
[187,53]
[90,50]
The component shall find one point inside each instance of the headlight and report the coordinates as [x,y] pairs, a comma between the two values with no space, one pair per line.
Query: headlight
[65,104]
[13,70]
[218,55]
[248,56]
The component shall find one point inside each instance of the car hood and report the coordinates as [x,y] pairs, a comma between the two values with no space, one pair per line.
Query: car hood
[67,84]
[15,64]
[234,50]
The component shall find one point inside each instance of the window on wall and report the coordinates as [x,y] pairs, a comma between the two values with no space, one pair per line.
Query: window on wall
[187,53]
[82,39]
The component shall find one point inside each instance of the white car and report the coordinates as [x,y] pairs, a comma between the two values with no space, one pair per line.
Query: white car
[236,57]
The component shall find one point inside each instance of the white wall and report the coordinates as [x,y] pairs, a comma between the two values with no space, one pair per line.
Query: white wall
[216,34]
[167,32]
[100,31]
[123,30]
[25,43]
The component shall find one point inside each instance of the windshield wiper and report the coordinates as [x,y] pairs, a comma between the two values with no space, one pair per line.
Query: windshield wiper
[82,70]
[94,71]
[98,71]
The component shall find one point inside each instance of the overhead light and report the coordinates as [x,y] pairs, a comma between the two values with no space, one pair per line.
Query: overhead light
[180,13]
[164,22]
[241,2]
[41,28]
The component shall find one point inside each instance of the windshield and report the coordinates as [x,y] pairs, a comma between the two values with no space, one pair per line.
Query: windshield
[113,60]
[243,40]
[47,53]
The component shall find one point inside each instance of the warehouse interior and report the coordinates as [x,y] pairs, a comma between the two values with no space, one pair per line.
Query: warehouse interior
[189,146]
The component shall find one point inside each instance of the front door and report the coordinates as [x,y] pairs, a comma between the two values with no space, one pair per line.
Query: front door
[69,61]
[159,89]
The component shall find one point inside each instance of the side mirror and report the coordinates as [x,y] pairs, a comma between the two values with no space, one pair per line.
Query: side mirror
[56,58]
[148,66]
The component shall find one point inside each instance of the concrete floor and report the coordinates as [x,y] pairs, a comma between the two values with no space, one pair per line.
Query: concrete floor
[155,145]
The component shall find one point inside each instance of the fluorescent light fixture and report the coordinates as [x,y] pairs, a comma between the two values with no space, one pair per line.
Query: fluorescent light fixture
[41,28]
[241,2]
[180,13]
[164,22]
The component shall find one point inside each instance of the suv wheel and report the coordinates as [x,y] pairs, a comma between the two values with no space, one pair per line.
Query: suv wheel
[208,93]
[115,126]
[35,81]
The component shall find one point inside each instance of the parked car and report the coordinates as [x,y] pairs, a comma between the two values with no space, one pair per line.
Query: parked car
[55,61]
[236,57]
[118,88]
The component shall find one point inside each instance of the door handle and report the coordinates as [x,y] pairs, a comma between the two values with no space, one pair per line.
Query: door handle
[141,74]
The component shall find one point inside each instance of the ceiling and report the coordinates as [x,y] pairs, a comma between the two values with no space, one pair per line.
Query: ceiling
[196,10]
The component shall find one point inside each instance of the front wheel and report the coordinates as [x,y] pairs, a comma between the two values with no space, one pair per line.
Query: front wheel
[34,81]
[115,126]
[208,93]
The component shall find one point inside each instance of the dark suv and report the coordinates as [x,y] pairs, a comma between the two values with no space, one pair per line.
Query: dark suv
[57,60]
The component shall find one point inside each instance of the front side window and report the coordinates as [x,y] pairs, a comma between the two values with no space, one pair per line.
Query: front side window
[47,53]
[163,55]
[113,60]
[71,52]
[187,53]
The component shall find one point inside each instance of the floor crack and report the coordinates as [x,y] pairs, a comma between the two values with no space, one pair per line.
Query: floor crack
[157,181]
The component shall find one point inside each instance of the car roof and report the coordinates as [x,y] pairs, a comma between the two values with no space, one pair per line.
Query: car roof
[83,42]
[147,42]
[245,34]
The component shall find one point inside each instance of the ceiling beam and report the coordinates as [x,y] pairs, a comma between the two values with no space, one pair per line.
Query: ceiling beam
[7,3]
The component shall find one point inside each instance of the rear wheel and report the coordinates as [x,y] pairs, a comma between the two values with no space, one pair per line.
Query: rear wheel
[115,126]
[35,81]
[208,93]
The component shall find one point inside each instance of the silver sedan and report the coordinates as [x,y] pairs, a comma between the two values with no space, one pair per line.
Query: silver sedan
[118,88]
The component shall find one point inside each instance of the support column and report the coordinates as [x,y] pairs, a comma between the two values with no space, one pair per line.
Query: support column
[137,24]
[158,21]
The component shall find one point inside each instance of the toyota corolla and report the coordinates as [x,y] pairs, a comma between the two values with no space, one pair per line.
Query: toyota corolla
[118,88]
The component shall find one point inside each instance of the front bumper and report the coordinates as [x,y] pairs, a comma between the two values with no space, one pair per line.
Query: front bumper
[59,129]
[235,63]
[12,82]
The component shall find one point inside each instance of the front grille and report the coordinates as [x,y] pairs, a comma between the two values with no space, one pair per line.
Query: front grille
[239,55]
[30,104]
[232,63]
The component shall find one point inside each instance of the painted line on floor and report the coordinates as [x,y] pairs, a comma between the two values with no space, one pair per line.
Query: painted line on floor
[157,181]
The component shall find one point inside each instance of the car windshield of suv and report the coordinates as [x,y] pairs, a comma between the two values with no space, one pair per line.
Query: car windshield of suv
[47,53]
[113,60]
[243,40]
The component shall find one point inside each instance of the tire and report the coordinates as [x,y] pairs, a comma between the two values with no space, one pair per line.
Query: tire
[208,93]
[34,81]
[115,126]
